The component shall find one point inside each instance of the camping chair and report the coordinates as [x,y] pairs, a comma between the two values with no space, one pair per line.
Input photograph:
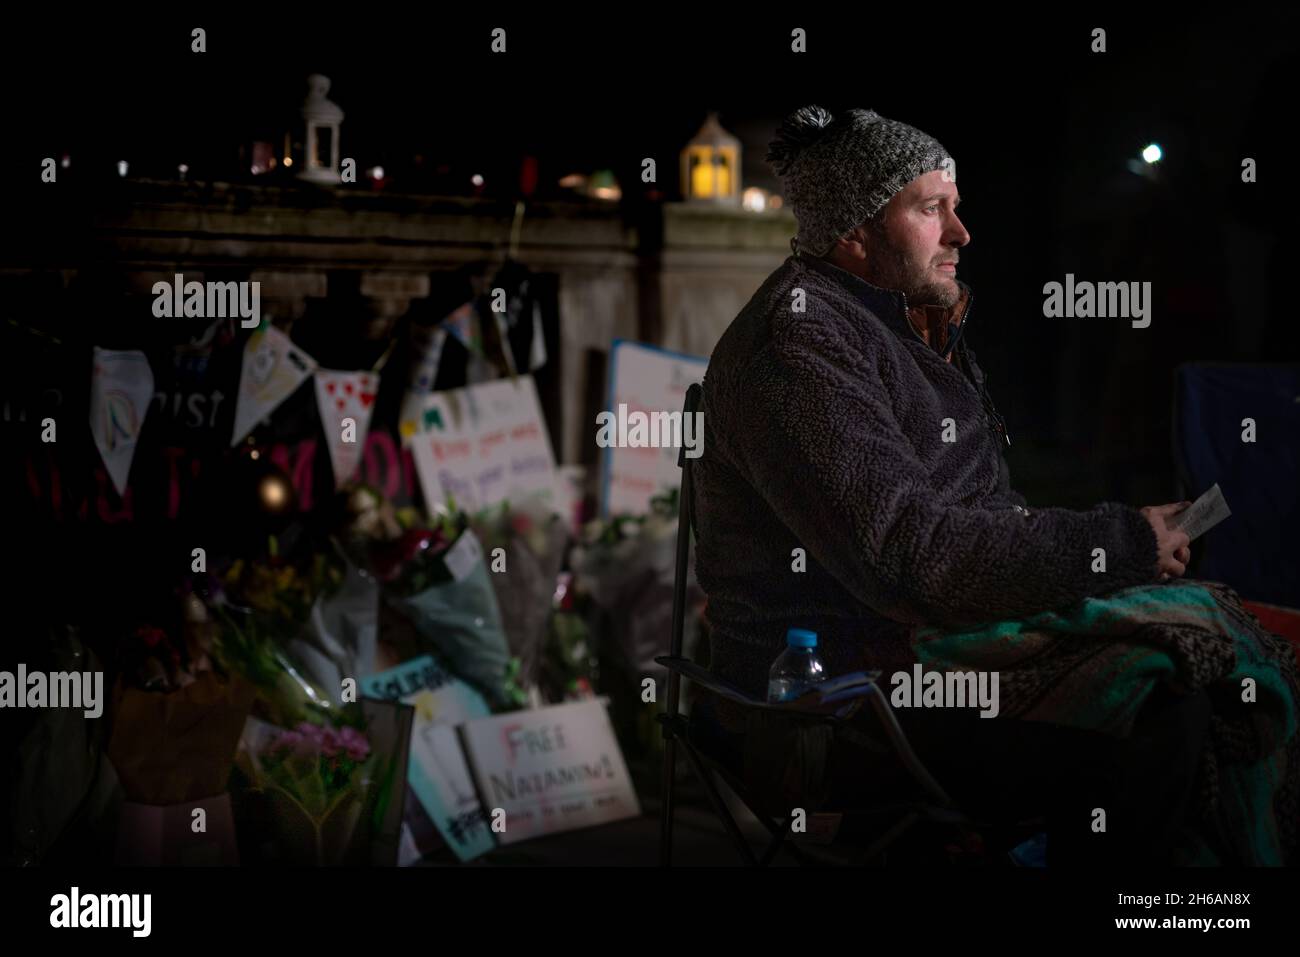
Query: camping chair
[831,704]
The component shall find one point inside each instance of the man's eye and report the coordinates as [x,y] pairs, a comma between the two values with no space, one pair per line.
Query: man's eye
[930,208]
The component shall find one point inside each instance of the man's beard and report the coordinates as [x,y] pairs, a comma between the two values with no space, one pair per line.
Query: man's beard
[891,269]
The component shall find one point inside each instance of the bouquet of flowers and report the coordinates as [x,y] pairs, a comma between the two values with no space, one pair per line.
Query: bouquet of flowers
[260,606]
[532,540]
[626,566]
[569,669]
[617,557]
[435,575]
[394,544]
[317,778]
[176,724]
[283,592]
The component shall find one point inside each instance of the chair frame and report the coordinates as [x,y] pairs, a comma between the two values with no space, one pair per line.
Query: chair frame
[939,808]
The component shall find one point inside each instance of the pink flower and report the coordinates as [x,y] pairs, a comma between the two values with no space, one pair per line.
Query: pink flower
[300,744]
[355,743]
[312,732]
[330,744]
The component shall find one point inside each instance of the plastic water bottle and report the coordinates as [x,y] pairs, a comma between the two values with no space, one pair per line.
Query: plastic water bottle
[797,668]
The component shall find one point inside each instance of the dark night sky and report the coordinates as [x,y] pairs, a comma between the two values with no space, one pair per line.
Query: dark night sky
[591,92]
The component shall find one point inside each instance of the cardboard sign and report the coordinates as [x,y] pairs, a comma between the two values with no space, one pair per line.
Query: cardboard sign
[438,774]
[644,379]
[550,769]
[483,445]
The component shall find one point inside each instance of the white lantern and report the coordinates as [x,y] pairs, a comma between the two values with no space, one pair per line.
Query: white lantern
[321,120]
[711,166]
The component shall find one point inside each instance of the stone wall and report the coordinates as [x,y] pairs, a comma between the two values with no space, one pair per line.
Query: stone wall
[672,275]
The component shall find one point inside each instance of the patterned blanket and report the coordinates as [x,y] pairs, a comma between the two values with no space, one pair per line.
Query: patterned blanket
[1095,664]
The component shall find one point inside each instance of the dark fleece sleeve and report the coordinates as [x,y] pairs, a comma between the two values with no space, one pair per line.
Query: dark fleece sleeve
[818,439]
[1005,490]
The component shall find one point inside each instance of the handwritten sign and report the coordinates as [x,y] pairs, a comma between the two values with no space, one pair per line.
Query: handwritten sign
[438,774]
[550,769]
[483,445]
[645,379]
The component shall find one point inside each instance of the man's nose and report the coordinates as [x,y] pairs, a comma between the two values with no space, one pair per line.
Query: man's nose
[955,234]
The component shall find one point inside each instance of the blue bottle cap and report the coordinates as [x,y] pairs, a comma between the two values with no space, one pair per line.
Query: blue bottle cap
[801,638]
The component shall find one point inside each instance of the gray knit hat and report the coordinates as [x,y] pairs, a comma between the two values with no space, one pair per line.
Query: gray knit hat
[838,172]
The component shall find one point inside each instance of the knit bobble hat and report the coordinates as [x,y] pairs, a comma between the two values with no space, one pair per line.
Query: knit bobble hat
[838,172]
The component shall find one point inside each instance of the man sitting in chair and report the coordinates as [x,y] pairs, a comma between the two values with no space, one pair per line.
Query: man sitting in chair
[853,483]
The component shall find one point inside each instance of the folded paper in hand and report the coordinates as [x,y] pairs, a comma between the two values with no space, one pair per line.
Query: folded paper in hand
[1203,514]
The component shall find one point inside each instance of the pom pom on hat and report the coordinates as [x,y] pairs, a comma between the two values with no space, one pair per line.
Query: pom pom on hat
[799,130]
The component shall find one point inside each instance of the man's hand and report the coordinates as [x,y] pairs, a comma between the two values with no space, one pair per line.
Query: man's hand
[1173,550]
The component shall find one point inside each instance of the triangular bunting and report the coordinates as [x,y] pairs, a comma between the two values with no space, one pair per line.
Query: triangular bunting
[463,327]
[339,396]
[121,388]
[273,369]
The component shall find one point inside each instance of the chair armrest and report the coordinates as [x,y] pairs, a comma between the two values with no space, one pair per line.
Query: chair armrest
[705,679]
[833,701]
[830,700]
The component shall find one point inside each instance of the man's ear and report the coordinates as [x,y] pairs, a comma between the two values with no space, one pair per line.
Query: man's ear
[852,246]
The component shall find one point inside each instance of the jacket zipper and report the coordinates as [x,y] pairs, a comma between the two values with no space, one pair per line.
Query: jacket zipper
[955,330]
[997,424]
[957,347]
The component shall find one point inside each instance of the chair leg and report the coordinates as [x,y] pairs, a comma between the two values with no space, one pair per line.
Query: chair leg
[671,714]
[775,847]
[666,809]
[719,806]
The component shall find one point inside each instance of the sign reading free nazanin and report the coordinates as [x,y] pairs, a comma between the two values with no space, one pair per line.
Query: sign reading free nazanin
[550,769]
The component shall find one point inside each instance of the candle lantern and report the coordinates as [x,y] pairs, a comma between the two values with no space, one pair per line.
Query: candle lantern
[711,166]
[321,118]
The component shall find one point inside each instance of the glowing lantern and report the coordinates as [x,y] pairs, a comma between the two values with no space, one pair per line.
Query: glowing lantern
[711,165]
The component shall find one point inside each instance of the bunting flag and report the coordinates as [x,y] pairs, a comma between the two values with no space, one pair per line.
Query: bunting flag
[273,369]
[463,326]
[121,388]
[339,396]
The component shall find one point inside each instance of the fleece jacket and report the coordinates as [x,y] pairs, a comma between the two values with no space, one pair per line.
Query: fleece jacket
[852,482]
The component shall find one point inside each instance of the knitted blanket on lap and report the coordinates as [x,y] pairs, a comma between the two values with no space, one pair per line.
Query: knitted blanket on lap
[1095,664]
